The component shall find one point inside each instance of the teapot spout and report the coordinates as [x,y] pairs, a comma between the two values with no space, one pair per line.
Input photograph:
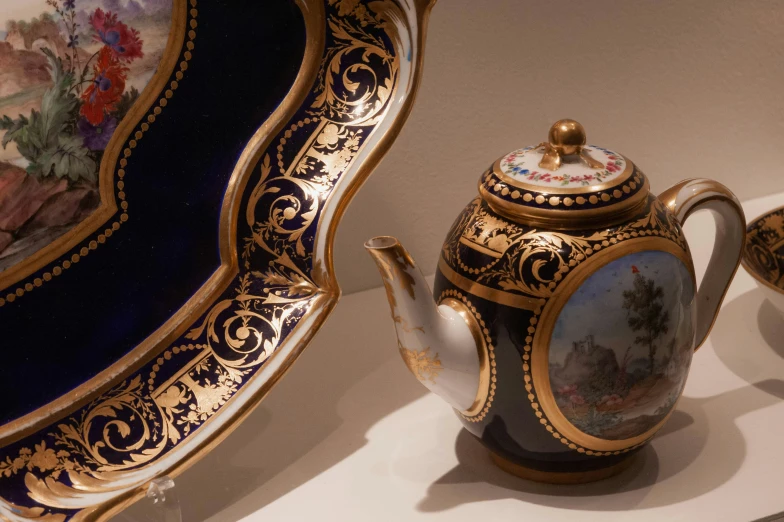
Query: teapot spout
[442,345]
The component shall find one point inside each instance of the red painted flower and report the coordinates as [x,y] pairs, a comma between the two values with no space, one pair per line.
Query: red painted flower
[107,87]
[123,41]
[635,270]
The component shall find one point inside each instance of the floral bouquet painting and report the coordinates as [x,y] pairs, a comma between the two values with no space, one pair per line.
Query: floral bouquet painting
[69,76]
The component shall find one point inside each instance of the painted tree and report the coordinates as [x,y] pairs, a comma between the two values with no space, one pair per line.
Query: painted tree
[622,379]
[646,314]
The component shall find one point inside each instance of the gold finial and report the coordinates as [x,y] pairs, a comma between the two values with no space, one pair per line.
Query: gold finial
[566,138]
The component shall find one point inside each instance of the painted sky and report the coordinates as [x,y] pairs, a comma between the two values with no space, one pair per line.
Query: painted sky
[596,308]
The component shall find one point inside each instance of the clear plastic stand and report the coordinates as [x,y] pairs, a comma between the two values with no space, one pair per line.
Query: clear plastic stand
[159,505]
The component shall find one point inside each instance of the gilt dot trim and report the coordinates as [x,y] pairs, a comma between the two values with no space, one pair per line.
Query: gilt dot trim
[490,352]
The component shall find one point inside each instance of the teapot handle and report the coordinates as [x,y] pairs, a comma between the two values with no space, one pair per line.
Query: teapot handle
[692,195]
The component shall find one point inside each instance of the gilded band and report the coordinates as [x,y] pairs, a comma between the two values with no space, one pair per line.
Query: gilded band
[555,477]
[490,294]
[561,219]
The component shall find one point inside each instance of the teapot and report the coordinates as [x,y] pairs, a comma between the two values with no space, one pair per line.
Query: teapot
[565,308]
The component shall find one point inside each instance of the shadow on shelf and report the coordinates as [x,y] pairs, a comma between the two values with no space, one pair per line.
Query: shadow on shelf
[750,339]
[697,451]
[310,413]
[350,378]
[670,462]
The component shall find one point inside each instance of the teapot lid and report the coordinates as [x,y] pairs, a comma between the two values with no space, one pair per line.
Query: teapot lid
[564,183]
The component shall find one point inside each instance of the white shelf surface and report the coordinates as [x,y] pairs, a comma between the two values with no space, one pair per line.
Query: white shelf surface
[350,435]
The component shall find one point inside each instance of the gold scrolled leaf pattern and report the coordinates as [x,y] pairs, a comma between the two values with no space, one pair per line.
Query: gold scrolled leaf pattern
[764,247]
[521,260]
[138,421]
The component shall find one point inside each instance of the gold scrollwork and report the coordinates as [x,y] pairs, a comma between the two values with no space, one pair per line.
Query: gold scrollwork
[424,365]
[137,421]
[519,260]
[762,256]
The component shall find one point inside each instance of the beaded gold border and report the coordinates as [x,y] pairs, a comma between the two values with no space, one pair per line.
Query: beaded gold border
[167,355]
[567,201]
[490,394]
[120,185]
[562,218]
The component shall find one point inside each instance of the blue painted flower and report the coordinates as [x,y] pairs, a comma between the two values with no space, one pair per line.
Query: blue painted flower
[73,40]
[69,4]
[96,137]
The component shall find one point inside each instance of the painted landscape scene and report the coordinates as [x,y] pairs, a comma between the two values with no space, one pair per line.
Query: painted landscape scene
[70,70]
[622,346]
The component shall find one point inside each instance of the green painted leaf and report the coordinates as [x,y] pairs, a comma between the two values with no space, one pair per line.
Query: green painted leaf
[40,137]
[57,104]
[71,159]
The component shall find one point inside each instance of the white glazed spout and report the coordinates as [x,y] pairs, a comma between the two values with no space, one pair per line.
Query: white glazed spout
[437,343]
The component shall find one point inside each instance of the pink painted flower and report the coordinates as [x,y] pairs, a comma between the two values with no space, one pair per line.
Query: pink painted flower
[568,389]
[576,399]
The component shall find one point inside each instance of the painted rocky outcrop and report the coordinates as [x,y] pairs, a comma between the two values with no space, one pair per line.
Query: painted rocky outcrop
[21,69]
[30,206]
[41,32]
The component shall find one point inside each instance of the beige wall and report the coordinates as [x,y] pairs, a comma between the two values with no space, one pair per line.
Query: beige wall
[685,89]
